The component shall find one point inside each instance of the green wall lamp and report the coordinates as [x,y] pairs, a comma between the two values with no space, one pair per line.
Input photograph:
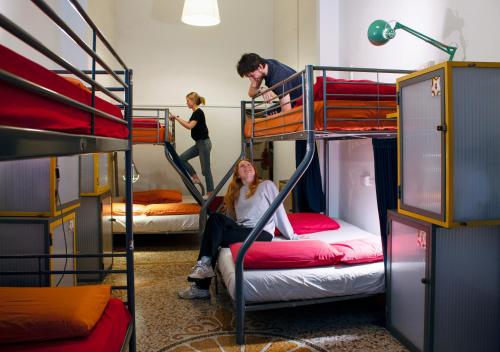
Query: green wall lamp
[380,32]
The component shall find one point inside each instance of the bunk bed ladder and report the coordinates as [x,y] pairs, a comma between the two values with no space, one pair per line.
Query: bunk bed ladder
[176,162]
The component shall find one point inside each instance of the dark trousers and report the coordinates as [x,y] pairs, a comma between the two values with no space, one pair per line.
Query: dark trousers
[221,231]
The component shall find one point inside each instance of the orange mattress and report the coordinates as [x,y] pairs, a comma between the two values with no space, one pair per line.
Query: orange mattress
[149,135]
[348,115]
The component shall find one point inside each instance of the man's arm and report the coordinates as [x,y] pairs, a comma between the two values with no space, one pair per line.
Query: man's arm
[285,103]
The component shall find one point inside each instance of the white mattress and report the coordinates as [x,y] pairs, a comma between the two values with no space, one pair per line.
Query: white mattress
[308,283]
[160,224]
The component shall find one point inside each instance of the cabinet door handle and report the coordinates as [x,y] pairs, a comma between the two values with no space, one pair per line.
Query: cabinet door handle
[425,281]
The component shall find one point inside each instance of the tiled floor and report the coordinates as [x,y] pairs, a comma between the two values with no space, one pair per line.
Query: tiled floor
[166,323]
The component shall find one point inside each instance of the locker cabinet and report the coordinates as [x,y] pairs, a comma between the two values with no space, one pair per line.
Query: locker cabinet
[95,174]
[448,144]
[443,285]
[25,236]
[43,187]
[94,235]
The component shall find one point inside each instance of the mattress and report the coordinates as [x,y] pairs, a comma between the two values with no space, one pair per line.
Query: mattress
[342,116]
[22,108]
[308,283]
[158,224]
[107,335]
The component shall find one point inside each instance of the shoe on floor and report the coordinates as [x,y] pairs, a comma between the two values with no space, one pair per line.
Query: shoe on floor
[201,271]
[193,292]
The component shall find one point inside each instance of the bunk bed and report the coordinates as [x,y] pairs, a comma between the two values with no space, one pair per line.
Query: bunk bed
[331,109]
[153,126]
[43,114]
[159,218]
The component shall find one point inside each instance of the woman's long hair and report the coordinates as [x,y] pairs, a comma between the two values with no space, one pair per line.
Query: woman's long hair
[196,98]
[233,190]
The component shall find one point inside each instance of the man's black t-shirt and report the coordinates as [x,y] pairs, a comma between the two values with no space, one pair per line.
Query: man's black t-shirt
[277,72]
[200,131]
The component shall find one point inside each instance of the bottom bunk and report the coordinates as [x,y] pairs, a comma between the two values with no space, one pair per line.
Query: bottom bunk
[159,218]
[76,319]
[294,285]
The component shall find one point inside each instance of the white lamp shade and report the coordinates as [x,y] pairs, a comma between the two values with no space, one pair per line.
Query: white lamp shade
[201,12]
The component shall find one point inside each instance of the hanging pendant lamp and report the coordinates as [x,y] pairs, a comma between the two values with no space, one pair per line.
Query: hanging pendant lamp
[201,13]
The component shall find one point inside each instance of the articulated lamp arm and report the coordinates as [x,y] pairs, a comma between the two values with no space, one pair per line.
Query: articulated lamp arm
[450,50]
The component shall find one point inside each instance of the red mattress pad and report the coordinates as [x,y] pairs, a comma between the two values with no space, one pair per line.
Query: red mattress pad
[22,108]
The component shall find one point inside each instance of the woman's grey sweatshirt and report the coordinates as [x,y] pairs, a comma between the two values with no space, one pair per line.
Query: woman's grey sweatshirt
[250,210]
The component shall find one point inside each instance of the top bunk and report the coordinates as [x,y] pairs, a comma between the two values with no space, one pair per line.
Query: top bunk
[151,125]
[57,108]
[326,104]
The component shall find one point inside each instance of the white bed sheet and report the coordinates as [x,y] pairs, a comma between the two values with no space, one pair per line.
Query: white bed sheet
[308,283]
[160,224]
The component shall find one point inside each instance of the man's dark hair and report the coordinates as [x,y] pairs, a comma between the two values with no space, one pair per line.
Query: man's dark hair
[249,63]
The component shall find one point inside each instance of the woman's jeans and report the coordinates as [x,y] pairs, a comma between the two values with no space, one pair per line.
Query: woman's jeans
[201,148]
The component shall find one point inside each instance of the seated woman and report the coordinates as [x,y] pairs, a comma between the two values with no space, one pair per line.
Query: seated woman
[246,200]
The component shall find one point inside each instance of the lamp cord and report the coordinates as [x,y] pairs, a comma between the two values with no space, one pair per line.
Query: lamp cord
[65,240]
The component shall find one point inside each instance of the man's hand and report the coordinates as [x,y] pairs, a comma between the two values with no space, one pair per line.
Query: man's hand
[254,86]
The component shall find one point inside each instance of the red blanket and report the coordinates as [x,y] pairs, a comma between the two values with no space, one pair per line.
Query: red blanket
[22,108]
[309,253]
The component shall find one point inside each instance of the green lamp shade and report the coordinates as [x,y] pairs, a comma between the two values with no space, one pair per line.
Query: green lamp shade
[380,32]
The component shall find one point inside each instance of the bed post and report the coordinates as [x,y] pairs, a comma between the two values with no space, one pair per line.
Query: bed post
[296,176]
[128,195]
[206,204]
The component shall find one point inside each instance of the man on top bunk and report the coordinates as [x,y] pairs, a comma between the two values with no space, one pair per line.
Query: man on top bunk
[257,70]
[308,194]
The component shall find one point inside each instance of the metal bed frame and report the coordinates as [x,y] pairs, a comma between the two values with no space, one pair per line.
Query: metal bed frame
[24,143]
[310,135]
[161,114]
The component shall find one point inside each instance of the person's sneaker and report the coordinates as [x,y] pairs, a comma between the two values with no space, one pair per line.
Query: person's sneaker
[193,292]
[201,271]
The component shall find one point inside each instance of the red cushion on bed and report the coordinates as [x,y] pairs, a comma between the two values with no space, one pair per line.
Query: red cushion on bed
[361,91]
[21,108]
[288,254]
[367,250]
[107,335]
[303,223]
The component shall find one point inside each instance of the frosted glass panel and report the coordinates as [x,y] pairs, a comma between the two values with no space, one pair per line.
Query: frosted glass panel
[407,291]
[69,178]
[87,173]
[103,169]
[476,142]
[421,147]
[24,185]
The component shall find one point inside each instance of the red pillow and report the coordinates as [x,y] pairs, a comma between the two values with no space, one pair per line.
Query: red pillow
[288,254]
[303,223]
[367,250]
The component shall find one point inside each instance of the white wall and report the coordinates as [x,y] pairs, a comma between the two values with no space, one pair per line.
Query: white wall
[36,23]
[351,183]
[171,59]
[295,38]
[471,25]
[466,23]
